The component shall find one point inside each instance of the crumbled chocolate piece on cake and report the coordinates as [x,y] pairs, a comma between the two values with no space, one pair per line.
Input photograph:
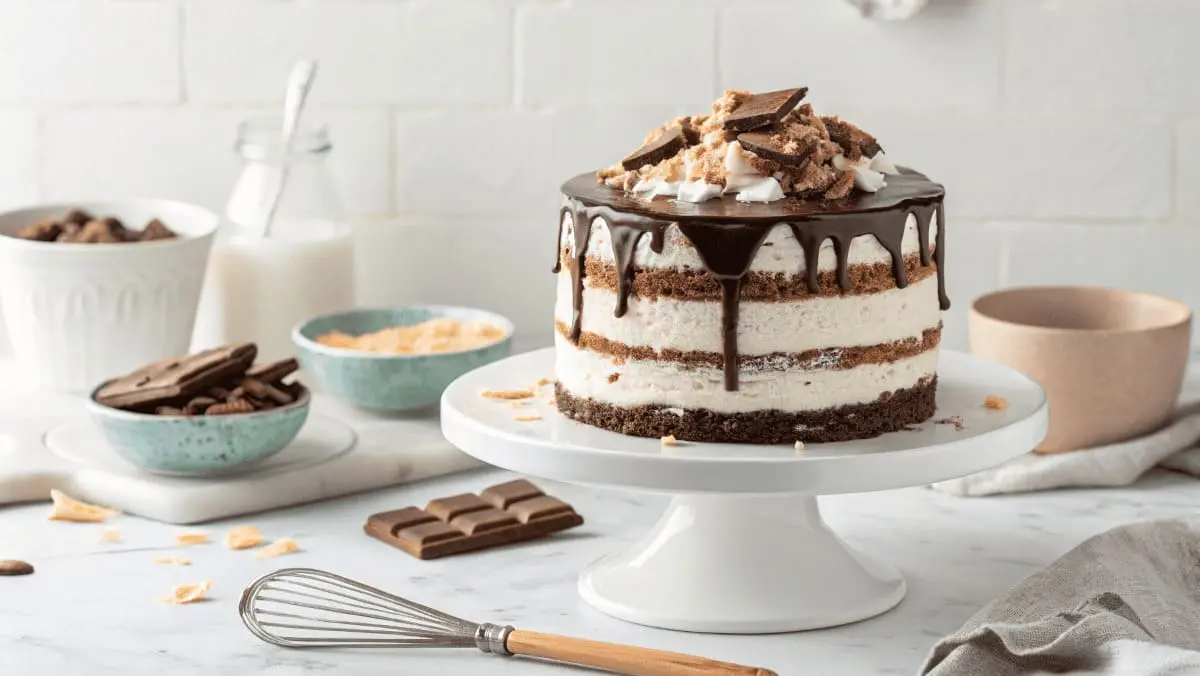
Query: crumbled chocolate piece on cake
[778,147]
[841,187]
[814,178]
[747,142]
[853,141]
[761,110]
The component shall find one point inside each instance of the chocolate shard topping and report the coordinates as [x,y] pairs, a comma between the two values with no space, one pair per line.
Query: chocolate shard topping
[762,109]
[672,140]
[778,148]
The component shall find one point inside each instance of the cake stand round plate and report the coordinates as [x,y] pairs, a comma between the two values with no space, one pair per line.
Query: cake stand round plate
[742,547]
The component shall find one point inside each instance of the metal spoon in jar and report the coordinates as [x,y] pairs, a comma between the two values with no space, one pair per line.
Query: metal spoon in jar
[299,83]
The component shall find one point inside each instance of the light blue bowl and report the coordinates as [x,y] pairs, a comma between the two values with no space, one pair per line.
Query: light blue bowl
[199,445]
[384,382]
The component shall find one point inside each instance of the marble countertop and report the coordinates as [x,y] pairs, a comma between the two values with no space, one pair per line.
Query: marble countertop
[91,608]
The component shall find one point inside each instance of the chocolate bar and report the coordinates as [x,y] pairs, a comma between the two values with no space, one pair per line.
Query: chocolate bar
[500,515]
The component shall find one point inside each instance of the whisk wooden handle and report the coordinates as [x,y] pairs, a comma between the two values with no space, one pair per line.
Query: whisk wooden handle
[621,658]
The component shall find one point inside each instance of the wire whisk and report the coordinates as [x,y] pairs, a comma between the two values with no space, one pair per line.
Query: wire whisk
[308,608]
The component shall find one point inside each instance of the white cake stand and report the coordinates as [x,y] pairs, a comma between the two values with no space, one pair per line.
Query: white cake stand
[742,547]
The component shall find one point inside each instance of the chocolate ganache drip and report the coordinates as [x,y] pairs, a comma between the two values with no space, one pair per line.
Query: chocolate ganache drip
[727,235]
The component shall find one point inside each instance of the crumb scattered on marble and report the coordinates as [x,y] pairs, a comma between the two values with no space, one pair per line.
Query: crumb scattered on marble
[995,402]
[799,445]
[528,418]
[110,535]
[172,561]
[277,548]
[544,382]
[194,538]
[188,593]
[669,440]
[67,508]
[243,537]
[507,394]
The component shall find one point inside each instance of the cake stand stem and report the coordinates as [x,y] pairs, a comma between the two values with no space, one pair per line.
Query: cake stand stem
[740,565]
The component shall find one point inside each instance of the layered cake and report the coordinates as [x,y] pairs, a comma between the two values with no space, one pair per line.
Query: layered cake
[758,274]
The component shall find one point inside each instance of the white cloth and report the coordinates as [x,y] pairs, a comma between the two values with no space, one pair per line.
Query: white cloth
[1124,602]
[1114,465]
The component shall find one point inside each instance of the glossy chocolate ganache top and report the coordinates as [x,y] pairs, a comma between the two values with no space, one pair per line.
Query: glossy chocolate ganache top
[727,234]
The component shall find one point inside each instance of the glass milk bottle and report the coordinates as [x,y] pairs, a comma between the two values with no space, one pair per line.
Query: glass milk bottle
[260,286]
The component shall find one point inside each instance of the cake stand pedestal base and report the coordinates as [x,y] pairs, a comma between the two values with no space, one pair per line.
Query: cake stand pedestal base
[741,564]
[742,548]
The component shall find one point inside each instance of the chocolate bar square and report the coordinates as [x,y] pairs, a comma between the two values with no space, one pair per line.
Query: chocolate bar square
[509,512]
[502,496]
[447,509]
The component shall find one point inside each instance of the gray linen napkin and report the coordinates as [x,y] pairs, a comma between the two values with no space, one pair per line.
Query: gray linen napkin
[1118,464]
[1124,602]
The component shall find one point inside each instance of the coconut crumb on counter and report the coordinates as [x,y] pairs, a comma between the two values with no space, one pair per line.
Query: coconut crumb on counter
[191,538]
[171,561]
[243,537]
[995,402]
[188,593]
[67,508]
[277,548]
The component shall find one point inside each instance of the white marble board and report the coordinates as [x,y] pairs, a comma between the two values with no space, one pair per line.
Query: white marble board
[47,441]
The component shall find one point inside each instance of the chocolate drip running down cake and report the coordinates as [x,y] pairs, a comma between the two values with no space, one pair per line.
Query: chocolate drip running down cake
[760,274]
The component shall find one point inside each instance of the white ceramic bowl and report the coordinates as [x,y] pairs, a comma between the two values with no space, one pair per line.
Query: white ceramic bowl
[79,314]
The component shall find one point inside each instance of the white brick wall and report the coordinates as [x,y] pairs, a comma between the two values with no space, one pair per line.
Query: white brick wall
[1067,132]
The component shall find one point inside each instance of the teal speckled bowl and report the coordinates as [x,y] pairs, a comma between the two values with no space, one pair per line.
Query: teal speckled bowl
[384,382]
[199,445]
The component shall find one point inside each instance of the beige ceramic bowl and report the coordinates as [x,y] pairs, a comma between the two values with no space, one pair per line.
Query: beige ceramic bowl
[1111,362]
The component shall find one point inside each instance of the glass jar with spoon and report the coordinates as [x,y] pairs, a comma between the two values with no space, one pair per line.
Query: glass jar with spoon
[284,254]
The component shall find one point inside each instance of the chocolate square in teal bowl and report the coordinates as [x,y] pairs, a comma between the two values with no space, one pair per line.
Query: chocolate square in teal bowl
[391,382]
[201,444]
